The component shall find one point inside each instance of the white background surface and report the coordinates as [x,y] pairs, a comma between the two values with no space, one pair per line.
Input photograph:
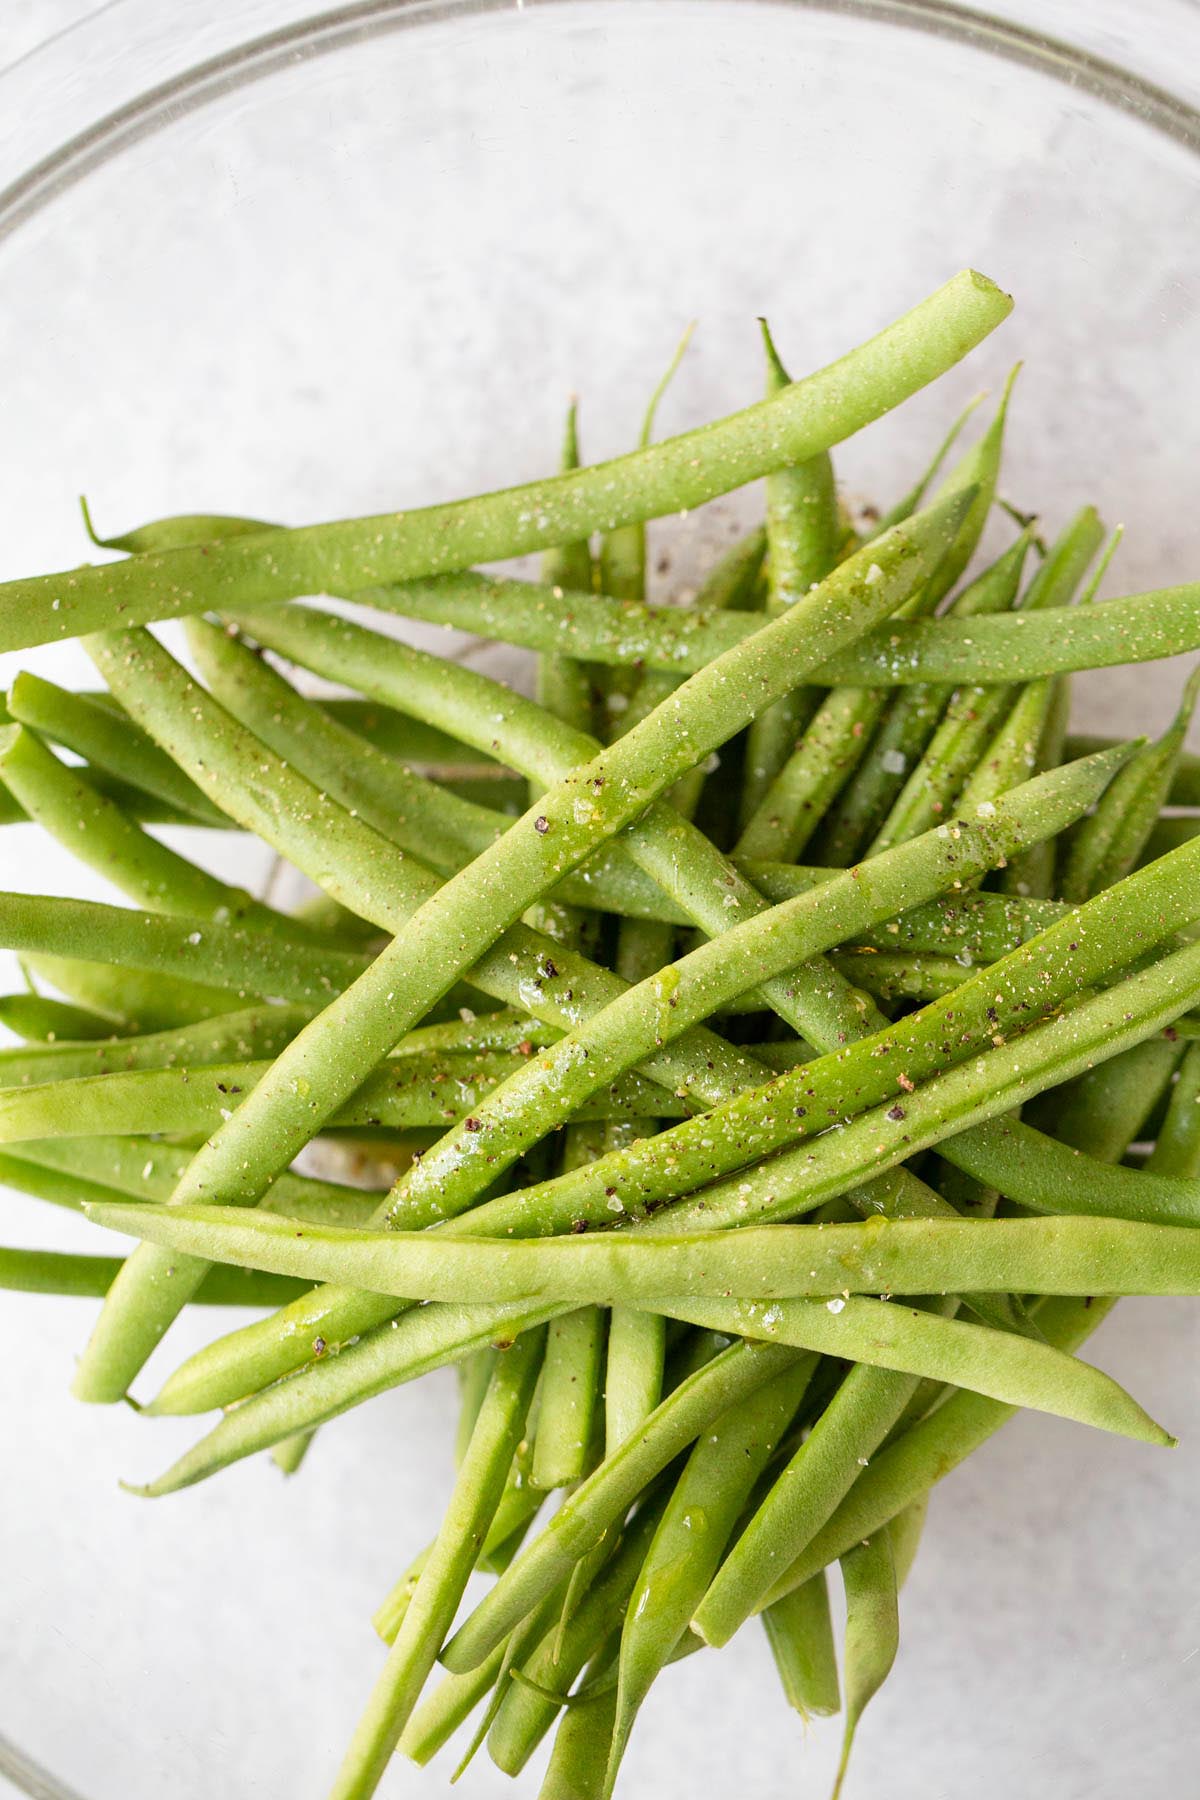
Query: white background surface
[1051,1627]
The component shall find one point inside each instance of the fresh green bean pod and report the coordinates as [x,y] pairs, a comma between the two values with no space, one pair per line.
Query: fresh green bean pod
[872,1633]
[570,1382]
[440,1585]
[96,830]
[683,472]
[107,742]
[1107,845]
[90,1277]
[909,724]
[794,803]
[409,1093]
[700,1515]
[323,1063]
[800,1632]
[42,1021]
[803,541]
[254,1032]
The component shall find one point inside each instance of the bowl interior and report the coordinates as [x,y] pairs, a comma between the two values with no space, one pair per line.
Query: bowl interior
[369,278]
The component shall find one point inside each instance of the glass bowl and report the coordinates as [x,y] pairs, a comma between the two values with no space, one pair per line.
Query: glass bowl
[301,269]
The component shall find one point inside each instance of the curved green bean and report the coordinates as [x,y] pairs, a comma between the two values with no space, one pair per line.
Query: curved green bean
[682,472]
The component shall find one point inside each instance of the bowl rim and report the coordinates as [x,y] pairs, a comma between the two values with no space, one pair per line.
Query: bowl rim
[321,34]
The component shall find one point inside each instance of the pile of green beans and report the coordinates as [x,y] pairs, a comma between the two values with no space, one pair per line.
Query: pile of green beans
[746,1196]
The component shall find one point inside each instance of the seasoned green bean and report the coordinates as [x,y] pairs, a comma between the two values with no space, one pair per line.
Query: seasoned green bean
[905,1256]
[323,1063]
[807,417]
[1009,647]
[407,1093]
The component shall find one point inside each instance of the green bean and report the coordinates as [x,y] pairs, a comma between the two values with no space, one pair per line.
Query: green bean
[680,473]
[907,1469]
[525,1714]
[324,1061]
[691,1536]
[96,830]
[1185,782]
[906,1256]
[440,1585]
[574,1349]
[289,1455]
[135,803]
[605,1496]
[548,1088]
[259,1031]
[1107,845]
[138,999]
[800,1633]
[1039,1172]
[909,502]
[633,1372]
[408,1093]
[872,1633]
[959,745]
[833,746]
[911,1341]
[579,1759]
[231,961]
[38,1020]
[441,1713]
[909,725]
[1009,647]
[59,1272]
[803,540]
[107,742]
[623,547]
[66,1170]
